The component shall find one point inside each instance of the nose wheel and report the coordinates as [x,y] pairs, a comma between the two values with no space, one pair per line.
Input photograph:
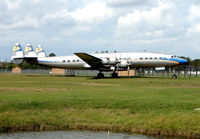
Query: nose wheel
[174,76]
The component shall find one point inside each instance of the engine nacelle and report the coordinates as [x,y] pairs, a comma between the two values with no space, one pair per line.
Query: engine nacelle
[109,61]
[123,64]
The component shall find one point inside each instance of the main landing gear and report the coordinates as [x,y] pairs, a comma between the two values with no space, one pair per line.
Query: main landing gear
[100,75]
[114,75]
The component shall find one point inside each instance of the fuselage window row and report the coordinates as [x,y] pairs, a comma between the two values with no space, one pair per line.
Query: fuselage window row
[150,58]
[142,58]
[71,61]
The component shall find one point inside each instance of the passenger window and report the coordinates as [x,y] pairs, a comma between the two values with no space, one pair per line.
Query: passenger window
[160,57]
[77,60]
[63,60]
[141,58]
[120,58]
[68,60]
[73,60]
[150,58]
[146,58]
[155,58]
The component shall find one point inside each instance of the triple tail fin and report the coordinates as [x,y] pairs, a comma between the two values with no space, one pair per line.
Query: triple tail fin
[29,55]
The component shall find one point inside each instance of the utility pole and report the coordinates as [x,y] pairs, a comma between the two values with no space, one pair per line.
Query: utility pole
[6,65]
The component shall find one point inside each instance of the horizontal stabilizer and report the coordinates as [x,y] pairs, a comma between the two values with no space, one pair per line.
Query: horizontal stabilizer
[93,61]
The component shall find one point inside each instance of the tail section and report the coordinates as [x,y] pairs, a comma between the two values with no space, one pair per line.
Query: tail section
[17,50]
[40,51]
[29,51]
[29,55]
[18,54]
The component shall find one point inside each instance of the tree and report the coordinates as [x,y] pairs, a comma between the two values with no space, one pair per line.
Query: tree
[187,58]
[182,67]
[11,65]
[196,63]
[52,54]
[31,65]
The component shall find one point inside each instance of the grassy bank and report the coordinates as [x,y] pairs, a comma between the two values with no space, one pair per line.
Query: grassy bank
[154,106]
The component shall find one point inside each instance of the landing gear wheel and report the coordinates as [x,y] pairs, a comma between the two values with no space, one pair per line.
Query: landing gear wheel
[174,76]
[114,75]
[100,75]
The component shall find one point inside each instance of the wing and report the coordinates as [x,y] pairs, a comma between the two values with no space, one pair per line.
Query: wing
[94,62]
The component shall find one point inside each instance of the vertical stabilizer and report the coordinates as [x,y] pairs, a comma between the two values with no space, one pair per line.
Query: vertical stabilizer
[40,51]
[17,50]
[18,54]
[29,51]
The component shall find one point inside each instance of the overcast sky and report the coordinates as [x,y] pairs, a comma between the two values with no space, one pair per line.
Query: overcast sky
[68,26]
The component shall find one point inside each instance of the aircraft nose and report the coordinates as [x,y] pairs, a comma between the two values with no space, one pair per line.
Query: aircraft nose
[183,61]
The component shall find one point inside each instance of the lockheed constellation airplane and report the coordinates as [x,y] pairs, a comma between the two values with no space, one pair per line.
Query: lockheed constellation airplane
[98,61]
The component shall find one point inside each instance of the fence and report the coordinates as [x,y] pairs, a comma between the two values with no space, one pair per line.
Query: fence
[85,73]
[139,72]
[67,72]
[167,73]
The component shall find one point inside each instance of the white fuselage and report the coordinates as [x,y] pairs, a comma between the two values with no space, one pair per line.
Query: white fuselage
[132,59]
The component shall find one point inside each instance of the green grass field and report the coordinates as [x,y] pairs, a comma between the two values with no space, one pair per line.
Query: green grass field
[154,106]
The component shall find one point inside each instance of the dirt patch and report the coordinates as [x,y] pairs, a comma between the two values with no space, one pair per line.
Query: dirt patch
[100,84]
[19,81]
[184,86]
[31,89]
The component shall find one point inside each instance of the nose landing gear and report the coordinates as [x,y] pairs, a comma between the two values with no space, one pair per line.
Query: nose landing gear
[174,76]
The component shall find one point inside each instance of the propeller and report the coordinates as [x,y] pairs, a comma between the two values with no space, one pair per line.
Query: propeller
[129,63]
